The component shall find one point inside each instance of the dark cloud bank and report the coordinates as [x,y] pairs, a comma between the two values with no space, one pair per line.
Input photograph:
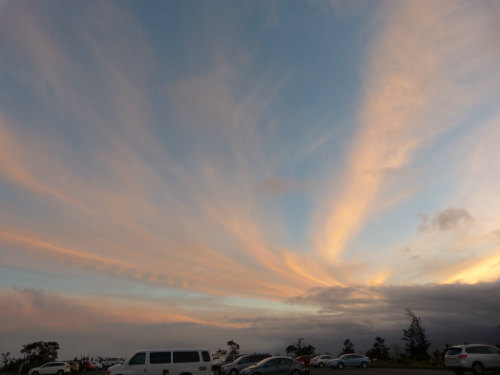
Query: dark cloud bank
[452,313]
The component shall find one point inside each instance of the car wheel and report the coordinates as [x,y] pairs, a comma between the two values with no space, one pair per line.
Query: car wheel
[477,368]
[321,365]
[233,372]
[340,365]
[35,373]
[295,372]
[60,372]
[364,365]
[459,372]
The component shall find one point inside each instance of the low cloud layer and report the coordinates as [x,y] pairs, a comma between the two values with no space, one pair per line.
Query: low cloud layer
[452,313]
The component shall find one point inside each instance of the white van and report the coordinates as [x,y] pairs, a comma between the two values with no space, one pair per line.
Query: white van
[165,362]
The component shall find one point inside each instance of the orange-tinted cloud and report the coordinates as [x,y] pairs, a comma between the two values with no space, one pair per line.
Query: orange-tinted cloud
[414,89]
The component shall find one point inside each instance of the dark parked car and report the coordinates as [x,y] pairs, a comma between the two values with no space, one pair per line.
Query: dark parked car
[275,366]
[243,362]
[217,366]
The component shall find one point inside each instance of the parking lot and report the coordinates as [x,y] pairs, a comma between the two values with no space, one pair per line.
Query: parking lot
[380,371]
[356,371]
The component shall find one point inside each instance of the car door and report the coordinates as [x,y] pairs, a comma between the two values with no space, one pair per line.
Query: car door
[159,363]
[271,367]
[137,364]
[354,360]
[47,368]
[492,357]
[188,361]
[346,359]
[284,367]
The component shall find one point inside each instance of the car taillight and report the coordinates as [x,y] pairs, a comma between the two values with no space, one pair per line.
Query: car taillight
[108,372]
[462,356]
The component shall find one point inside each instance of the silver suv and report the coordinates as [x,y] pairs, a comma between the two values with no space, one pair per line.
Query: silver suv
[472,357]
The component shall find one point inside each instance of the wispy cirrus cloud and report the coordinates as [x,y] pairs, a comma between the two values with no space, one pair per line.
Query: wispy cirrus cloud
[175,182]
[414,90]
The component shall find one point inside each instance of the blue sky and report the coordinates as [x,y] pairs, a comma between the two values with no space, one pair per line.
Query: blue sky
[210,171]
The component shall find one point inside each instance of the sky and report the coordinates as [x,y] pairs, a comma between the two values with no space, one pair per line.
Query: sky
[184,173]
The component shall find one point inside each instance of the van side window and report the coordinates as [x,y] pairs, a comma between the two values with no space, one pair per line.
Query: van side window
[185,357]
[159,357]
[138,359]
[206,356]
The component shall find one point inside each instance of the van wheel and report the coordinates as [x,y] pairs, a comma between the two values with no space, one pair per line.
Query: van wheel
[477,368]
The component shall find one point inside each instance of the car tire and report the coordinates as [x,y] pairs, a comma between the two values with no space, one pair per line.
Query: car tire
[35,373]
[60,372]
[477,368]
[340,365]
[321,365]
[233,372]
[364,365]
[459,372]
[296,372]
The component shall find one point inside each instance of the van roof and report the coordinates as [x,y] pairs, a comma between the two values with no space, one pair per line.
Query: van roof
[173,350]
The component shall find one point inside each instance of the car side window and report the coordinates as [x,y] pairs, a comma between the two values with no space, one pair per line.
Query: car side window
[493,350]
[273,362]
[206,356]
[286,361]
[159,357]
[138,359]
[186,357]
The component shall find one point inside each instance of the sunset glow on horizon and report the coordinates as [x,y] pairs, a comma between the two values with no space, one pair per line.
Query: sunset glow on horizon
[186,173]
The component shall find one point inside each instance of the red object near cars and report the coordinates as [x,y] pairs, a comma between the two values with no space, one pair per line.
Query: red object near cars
[305,359]
[88,366]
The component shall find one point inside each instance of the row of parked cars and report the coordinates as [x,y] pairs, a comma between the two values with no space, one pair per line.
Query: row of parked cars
[199,362]
[252,362]
[345,360]
[67,367]
[461,358]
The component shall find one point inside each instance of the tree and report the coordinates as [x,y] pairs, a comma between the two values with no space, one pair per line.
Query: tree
[234,347]
[5,359]
[416,342]
[379,350]
[299,348]
[348,347]
[40,352]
